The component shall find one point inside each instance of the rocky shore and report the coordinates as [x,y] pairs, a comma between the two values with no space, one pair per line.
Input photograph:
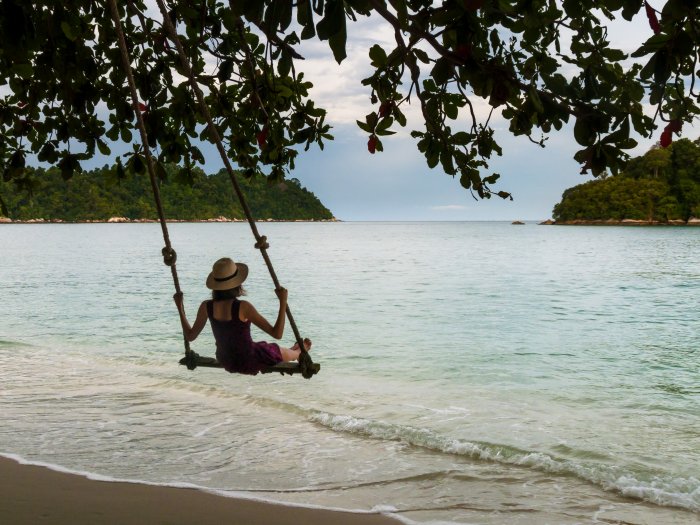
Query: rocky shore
[693,221]
[7,220]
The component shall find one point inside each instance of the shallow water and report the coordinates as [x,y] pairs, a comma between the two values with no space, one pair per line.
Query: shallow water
[472,372]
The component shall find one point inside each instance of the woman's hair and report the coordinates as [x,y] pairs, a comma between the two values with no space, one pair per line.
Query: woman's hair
[231,293]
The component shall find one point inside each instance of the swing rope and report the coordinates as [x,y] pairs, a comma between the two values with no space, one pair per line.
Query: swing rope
[308,368]
[169,254]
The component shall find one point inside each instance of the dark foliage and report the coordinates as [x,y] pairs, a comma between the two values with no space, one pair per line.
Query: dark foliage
[100,194]
[662,185]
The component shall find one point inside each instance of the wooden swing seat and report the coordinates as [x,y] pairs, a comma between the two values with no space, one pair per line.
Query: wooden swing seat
[289,368]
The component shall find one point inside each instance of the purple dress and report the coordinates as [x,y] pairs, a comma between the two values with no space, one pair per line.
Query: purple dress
[235,349]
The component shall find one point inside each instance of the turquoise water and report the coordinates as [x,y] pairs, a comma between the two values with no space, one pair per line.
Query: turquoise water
[471,372]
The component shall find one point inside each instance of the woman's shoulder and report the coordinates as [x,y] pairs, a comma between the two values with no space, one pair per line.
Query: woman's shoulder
[245,306]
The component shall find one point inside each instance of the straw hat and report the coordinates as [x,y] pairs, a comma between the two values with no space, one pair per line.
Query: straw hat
[226,274]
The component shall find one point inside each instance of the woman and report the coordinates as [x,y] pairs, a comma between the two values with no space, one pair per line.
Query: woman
[230,321]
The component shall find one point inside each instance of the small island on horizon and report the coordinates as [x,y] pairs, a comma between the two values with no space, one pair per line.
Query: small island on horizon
[661,187]
[109,195]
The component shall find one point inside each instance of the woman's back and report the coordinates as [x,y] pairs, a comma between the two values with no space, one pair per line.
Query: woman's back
[232,335]
[221,310]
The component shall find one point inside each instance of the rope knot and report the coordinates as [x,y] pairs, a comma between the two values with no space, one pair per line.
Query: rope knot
[169,256]
[262,243]
[308,367]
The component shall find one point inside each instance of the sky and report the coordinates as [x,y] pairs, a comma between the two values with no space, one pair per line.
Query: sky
[397,184]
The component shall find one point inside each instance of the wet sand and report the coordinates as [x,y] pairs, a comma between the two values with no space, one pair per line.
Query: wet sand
[32,494]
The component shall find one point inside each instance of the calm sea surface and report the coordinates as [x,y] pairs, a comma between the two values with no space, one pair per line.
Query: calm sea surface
[471,372]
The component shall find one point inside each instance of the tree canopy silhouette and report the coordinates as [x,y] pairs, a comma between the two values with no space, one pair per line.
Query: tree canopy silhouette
[540,63]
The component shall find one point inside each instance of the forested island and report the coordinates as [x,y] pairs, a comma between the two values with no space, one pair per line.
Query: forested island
[108,193]
[660,187]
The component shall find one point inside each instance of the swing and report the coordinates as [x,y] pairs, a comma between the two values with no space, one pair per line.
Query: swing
[305,366]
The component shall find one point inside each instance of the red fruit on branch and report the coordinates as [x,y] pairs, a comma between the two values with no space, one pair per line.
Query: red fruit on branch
[464,51]
[372,144]
[675,126]
[653,20]
[666,138]
[262,137]
[672,127]
[143,108]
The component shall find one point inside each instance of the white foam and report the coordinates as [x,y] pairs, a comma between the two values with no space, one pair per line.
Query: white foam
[677,491]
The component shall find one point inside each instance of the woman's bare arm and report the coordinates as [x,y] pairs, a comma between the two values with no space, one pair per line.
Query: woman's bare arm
[248,312]
[191,332]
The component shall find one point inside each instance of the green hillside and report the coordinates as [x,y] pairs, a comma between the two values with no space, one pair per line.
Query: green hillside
[99,195]
[662,185]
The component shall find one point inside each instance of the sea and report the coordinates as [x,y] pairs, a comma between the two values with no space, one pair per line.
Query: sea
[471,372]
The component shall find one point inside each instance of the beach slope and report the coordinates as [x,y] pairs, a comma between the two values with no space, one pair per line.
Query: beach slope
[32,494]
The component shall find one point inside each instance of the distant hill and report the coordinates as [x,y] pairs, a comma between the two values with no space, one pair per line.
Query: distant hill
[662,186]
[100,195]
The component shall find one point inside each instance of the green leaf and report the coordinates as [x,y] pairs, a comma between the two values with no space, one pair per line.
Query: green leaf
[400,117]
[621,135]
[461,138]
[630,8]
[535,99]
[102,146]
[661,67]
[225,70]
[68,31]
[136,164]
[112,133]
[126,135]
[378,56]
[372,119]
[421,55]
[337,43]
[333,21]
[441,71]
[465,181]
[385,124]
[583,133]
[284,66]
[305,17]
[614,55]
[48,153]
[17,160]
[68,165]
[447,162]
[363,126]
[452,111]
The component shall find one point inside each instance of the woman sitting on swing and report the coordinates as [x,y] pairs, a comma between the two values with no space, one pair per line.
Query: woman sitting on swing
[230,321]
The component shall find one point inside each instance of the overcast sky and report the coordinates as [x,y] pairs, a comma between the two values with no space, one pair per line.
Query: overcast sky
[397,184]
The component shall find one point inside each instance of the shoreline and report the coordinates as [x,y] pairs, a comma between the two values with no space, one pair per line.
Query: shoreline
[623,222]
[33,493]
[692,222]
[125,220]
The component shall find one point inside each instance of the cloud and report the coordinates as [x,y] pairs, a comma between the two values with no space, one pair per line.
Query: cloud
[448,207]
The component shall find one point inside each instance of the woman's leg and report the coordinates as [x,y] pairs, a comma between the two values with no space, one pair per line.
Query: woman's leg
[292,354]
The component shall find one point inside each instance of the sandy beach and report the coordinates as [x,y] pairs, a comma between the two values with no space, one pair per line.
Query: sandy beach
[32,494]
